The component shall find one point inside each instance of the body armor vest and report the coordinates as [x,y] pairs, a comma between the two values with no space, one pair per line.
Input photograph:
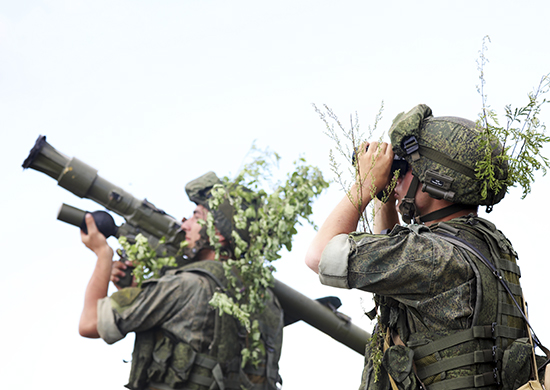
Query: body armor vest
[493,353]
[160,361]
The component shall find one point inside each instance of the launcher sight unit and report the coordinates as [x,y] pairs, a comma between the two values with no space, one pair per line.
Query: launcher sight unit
[143,217]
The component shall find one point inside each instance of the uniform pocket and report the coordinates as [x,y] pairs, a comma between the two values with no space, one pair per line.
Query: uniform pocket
[516,364]
[178,372]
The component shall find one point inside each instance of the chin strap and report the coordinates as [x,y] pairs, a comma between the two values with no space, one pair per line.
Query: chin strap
[407,206]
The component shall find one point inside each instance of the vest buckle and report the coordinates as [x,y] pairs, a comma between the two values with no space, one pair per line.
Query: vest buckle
[496,376]
[494,354]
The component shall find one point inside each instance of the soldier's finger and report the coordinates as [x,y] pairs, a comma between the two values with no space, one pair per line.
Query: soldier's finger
[120,265]
[90,223]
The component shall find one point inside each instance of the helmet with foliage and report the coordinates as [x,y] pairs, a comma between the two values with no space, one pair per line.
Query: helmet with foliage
[443,153]
[199,192]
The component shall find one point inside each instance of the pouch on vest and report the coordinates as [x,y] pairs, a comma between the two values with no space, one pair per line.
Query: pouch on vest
[182,360]
[398,362]
[161,354]
[516,364]
[171,364]
[141,359]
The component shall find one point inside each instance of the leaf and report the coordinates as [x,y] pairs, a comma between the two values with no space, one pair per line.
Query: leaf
[523,137]
[267,211]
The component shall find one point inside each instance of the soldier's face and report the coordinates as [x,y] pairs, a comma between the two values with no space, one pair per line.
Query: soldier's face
[192,226]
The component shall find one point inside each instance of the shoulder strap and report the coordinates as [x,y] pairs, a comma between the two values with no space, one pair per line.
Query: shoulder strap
[209,274]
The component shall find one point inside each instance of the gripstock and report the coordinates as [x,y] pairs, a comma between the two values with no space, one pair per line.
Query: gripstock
[143,217]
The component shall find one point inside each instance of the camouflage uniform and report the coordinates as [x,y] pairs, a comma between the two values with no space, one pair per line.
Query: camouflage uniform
[176,304]
[181,341]
[426,289]
[448,298]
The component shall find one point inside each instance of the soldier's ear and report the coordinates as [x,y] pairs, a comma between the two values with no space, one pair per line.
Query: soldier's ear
[221,238]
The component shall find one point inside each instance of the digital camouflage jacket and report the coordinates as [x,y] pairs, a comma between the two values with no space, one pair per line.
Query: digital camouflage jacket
[181,341]
[446,320]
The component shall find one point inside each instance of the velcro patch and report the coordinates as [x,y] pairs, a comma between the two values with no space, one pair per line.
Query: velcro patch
[126,296]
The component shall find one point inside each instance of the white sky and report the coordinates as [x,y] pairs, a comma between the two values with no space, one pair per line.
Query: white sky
[154,94]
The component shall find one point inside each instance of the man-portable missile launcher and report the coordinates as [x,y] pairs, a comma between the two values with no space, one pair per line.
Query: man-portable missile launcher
[141,216]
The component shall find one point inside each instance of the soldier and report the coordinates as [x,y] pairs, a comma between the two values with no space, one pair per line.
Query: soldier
[181,341]
[445,320]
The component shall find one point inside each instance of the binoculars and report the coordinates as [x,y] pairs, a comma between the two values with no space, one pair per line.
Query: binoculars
[398,164]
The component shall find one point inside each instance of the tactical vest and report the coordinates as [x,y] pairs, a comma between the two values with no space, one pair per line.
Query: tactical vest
[493,353]
[160,361]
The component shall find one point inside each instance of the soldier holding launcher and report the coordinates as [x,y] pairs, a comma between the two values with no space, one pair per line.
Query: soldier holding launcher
[181,341]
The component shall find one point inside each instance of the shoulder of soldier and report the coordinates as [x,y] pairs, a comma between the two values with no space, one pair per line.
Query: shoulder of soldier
[125,296]
[478,230]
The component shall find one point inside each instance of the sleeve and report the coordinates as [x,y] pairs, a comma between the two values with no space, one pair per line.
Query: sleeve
[106,326]
[410,265]
[395,264]
[168,303]
[333,267]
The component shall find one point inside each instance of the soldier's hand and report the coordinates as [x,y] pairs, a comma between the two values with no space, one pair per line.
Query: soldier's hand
[375,160]
[94,240]
[118,272]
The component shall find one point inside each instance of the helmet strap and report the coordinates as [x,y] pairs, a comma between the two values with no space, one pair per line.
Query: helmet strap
[442,213]
[409,211]
[407,206]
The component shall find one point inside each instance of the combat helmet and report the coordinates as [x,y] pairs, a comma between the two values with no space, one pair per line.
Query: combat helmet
[443,152]
[199,191]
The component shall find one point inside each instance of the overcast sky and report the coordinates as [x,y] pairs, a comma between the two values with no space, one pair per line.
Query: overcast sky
[154,94]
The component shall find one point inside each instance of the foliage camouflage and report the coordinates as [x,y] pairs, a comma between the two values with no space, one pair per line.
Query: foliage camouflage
[146,262]
[522,136]
[262,223]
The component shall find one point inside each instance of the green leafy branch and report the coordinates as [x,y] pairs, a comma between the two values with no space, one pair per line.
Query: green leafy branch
[348,147]
[375,349]
[522,137]
[350,150]
[265,222]
[144,258]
